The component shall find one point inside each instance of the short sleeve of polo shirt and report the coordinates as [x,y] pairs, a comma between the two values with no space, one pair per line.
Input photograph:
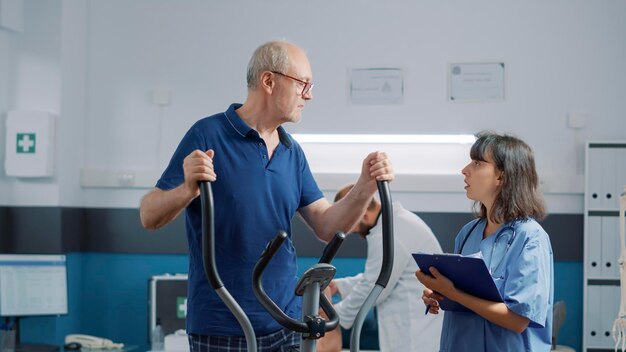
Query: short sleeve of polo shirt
[310,190]
[174,175]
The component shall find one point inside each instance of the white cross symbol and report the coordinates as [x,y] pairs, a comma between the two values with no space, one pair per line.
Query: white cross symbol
[183,306]
[25,143]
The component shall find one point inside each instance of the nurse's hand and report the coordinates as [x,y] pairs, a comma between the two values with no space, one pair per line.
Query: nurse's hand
[436,282]
[431,300]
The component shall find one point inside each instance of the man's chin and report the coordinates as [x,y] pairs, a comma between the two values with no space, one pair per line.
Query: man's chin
[293,119]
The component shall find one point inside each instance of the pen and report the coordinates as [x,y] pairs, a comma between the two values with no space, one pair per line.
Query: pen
[427,309]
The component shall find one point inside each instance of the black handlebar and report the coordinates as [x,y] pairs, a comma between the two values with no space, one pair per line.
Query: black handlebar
[208,239]
[329,252]
[210,269]
[257,286]
[327,256]
[327,307]
[387,216]
[332,247]
[283,319]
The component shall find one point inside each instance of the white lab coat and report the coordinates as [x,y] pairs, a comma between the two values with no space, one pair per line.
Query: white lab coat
[402,324]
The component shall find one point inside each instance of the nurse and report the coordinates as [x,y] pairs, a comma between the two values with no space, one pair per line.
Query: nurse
[502,181]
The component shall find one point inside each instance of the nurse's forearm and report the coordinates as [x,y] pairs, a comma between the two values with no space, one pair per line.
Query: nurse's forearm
[495,312]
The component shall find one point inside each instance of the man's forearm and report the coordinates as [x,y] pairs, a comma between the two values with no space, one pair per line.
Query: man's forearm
[344,214]
[158,208]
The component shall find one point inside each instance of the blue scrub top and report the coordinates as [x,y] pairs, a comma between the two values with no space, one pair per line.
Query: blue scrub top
[519,256]
[254,198]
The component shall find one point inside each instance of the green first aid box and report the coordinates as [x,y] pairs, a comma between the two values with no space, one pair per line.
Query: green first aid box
[29,149]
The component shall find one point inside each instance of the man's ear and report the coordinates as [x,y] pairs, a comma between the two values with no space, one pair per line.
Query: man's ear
[268,82]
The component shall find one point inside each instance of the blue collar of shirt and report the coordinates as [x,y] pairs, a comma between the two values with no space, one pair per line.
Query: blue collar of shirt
[242,128]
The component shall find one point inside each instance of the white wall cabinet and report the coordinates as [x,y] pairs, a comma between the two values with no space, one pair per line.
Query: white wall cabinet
[603,247]
[603,303]
[605,178]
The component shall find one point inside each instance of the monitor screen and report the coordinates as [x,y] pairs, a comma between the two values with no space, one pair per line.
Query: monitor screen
[32,285]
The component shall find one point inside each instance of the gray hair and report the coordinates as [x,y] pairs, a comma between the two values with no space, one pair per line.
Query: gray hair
[271,56]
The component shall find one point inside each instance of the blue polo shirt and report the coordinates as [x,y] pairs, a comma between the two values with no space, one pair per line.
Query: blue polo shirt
[254,197]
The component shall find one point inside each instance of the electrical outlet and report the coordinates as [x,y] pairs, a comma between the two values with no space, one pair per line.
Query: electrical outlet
[576,120]
[161,97]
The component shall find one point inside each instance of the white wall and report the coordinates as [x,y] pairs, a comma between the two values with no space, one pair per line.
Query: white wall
[6,84]
[562,56]
[34,77]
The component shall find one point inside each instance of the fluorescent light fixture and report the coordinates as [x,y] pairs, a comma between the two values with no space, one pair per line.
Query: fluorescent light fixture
[385,138]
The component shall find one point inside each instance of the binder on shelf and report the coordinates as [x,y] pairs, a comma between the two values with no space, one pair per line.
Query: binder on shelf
[468,274]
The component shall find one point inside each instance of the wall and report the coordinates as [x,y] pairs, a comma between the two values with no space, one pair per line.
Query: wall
[34,84]
[123,315]
[562,56]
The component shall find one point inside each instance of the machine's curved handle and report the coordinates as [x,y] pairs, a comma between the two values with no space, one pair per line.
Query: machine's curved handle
[257,286]
[327,307]
[327,256]
[332,247]
[210,268]
[387,216]
[208,235]
[386,268]
[282,318]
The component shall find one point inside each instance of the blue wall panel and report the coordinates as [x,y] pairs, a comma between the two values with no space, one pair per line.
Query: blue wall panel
[108,296]
[568,287]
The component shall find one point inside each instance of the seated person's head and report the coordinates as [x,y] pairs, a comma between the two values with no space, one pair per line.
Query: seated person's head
[370,217]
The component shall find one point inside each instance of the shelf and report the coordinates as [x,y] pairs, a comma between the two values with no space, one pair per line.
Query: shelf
[603,282]
[603,212]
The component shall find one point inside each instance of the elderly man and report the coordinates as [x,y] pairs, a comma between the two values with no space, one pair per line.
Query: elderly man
[260,178]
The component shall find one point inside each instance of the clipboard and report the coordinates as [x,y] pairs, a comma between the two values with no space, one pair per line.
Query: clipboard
[468,274]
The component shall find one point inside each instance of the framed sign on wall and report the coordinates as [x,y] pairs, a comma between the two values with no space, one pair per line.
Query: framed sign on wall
[476,82]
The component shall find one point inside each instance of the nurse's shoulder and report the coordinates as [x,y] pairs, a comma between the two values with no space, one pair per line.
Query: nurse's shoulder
[531,231]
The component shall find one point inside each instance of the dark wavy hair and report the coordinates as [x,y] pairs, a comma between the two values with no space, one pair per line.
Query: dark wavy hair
[519,197]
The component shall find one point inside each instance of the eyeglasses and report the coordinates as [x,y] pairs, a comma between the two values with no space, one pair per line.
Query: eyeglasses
[307,85]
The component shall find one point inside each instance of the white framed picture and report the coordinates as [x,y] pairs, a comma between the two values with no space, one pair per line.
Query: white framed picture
[476,82]
[376,86]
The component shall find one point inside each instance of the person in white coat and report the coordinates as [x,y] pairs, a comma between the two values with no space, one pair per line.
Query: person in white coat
[402,325]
